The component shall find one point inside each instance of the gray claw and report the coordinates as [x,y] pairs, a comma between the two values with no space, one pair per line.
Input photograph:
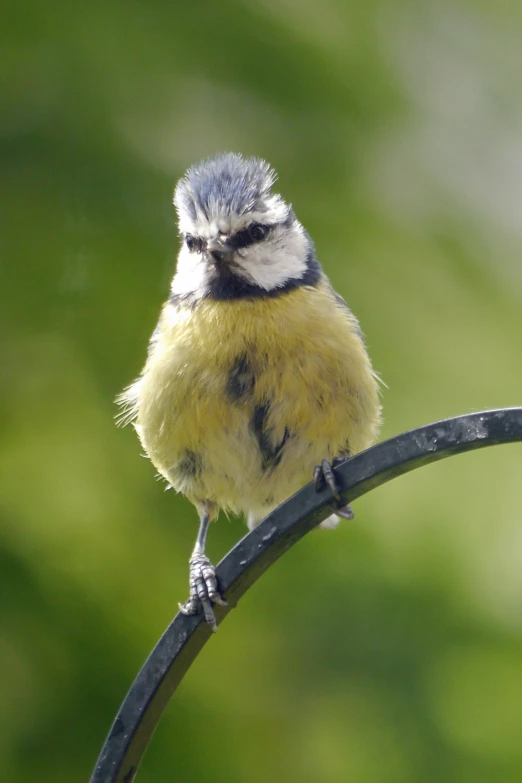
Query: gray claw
[203,590]
[346,512]
[323,474]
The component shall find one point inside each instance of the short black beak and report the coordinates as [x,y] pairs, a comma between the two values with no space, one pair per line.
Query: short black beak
[218,250]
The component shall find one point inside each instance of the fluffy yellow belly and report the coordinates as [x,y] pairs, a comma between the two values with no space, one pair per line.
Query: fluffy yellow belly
[240,399]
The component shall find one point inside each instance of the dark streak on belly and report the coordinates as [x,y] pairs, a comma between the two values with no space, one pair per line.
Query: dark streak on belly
[271,453]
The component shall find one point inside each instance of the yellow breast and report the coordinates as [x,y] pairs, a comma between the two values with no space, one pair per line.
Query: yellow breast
[240,399]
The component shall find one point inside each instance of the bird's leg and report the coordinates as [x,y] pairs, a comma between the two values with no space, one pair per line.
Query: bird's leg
[202,579]
[324,476]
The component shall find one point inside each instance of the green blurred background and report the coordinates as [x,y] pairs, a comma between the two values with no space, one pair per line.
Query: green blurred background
[391,650]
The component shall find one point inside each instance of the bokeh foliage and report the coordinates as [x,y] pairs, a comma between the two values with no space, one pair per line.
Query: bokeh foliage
[386,652]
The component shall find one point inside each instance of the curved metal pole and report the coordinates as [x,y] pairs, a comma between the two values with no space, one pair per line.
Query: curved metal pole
[250,558]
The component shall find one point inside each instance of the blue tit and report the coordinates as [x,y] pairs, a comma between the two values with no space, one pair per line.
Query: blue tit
[257,371]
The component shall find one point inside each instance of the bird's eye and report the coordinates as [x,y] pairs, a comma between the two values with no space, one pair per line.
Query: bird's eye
[257,232]
[193,243]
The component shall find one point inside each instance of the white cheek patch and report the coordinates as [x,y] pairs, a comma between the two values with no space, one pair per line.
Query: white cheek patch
[268,264]
[191,273]
[281,257]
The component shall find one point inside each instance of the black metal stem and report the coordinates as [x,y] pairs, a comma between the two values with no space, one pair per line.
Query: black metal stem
[250,558]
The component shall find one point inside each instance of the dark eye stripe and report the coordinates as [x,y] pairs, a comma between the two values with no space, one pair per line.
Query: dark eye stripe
[244,238]
[248,236]
[194,244]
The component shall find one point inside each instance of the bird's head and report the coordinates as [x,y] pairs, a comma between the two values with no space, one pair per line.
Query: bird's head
[239,238]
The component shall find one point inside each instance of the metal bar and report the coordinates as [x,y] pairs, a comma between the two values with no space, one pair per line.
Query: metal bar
[250,558]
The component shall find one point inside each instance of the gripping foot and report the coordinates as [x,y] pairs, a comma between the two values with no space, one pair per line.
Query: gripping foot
[203,590]
[324,476]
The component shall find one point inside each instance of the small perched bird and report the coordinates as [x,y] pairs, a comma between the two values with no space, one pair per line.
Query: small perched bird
[257,376]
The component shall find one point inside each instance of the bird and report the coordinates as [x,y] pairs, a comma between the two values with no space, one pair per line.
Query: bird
[257,377]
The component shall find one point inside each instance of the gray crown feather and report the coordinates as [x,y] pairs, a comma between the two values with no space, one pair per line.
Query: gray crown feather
[227,184]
